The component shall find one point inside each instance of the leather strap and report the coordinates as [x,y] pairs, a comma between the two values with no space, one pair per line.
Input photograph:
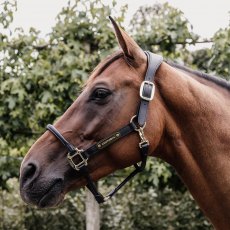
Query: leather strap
[154,61]
[138,168]
[70,147]
[102,144]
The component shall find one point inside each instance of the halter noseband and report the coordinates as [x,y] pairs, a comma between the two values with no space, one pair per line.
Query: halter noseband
[137,123]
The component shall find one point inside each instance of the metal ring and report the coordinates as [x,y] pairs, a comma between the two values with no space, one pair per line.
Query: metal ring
[131,120]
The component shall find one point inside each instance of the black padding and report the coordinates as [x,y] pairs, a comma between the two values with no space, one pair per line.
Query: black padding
[70,147]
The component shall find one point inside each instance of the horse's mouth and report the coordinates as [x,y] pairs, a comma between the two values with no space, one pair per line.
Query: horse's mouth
[44,198]
[53,197]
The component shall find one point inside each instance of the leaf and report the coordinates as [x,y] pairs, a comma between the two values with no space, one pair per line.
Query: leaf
[46,96]
[11,102]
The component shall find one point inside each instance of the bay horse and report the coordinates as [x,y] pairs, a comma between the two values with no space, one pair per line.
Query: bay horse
[186,124]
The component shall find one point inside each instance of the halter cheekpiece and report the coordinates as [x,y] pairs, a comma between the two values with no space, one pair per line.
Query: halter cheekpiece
[136,124]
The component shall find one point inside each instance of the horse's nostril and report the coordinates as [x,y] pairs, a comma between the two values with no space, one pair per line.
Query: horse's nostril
[28,174]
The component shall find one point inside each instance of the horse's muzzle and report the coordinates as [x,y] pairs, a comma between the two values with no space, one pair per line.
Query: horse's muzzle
[36,190]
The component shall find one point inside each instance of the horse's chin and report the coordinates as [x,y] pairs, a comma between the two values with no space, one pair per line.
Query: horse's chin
[44,196]
[50,200]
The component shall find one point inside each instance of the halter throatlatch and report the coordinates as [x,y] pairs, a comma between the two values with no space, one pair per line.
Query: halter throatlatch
[78,158]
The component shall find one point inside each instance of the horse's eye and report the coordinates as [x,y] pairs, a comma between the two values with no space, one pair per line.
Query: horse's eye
[99,94]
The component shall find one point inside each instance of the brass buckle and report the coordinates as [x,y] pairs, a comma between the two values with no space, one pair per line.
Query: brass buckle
[83,161]
[142,90]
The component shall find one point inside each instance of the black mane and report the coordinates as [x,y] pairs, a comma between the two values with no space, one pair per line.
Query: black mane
[217,80]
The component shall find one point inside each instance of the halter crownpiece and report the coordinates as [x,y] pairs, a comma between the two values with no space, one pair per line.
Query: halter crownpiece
[136,124]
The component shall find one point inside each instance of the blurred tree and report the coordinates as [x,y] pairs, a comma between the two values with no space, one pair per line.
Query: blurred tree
[162,28]
[140,208]
[7,9]
[217,59]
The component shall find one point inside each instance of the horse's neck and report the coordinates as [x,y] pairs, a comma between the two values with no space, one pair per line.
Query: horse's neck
[196,140]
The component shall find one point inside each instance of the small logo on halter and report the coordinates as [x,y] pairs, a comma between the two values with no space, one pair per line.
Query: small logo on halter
[105,142]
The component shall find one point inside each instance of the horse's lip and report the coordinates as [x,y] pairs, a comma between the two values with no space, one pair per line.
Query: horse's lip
[53,196]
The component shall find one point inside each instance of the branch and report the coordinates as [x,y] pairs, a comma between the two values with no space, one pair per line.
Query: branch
[204,41]
[41,47]
[189,43]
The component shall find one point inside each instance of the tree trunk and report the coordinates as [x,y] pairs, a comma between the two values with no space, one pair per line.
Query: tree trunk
[92,212]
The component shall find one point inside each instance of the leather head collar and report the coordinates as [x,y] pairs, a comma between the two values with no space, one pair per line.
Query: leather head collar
[78,158]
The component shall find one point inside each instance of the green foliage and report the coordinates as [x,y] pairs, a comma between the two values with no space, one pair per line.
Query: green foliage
[140,208]
[220,61]
[162,28]
[217,59]
[7,9]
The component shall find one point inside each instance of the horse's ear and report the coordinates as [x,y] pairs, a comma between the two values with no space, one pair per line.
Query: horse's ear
[134,55]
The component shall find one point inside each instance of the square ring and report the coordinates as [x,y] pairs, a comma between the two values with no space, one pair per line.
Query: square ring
[83,161]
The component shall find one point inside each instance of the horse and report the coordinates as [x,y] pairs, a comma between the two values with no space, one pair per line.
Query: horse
[183,118]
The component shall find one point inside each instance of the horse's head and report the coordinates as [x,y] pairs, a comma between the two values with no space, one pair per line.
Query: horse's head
[108,102]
